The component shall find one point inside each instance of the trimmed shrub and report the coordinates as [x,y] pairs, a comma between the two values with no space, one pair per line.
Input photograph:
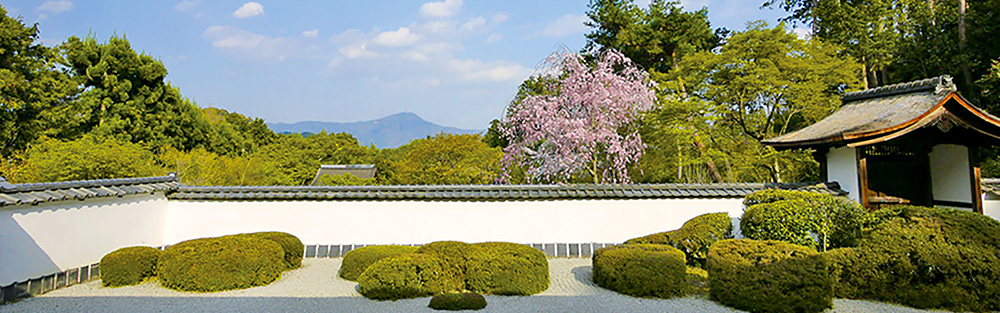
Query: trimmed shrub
[458,301]
[411,275]
[128,266]
[769,276]
[504,268]
[845,273]
[221,263]
[787,220]
[356,261]
[641,270]
[945,258]
[836,221]
[457,254]
[291,245]
[694,237]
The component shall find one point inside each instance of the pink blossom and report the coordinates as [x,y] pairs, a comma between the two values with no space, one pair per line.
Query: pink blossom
[588,127]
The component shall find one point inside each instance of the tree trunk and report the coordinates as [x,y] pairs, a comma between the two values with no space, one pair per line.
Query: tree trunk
[712,170]
[864,72]
[962,43]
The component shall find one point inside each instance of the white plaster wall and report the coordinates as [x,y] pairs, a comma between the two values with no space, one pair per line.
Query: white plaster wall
[56,236]
[950,180]
[405,222]
[842,167]
[991,206]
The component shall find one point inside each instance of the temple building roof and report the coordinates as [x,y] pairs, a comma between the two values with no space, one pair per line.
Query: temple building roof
[930,107]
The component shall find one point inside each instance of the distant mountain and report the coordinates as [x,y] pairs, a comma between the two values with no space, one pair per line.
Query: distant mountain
[388,132]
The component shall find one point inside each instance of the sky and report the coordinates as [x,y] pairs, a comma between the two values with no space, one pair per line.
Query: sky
[453,62]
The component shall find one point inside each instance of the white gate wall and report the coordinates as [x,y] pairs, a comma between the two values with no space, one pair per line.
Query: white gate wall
[416,222]
[52,237]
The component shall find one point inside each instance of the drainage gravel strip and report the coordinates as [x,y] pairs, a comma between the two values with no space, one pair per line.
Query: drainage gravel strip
[315,288]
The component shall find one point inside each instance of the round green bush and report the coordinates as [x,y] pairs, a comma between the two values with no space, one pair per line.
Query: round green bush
[291,245]
[458,301]
[356,261]
[503,268]
[797,216]
[128,266]
[641,270]
[769,276]
[694,237]
[411,275]
[455,253]
[945,258]
[221,263]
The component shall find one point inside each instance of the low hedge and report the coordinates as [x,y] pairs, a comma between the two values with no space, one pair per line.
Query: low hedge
[128,266]
[797,216]
[410,275]
[356,261]
[694,237]
[641,270]
[291,245]
[769,276]
[458,301]
[221,263]
[504,268]
[945,258]
[455,253]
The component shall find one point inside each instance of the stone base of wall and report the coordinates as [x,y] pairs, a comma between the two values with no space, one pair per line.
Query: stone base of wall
[41,285]
[552,250]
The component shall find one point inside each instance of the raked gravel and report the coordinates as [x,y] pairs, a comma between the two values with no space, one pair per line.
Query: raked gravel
[315,287]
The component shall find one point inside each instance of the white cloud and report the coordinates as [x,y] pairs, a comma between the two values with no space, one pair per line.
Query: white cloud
[569,24]
[475,70]
[311,33]
[249,9]
[414,56]
[473,24]
[499,18]
[446,8]
[55,7]
[493,38]
[186,5]
[249,44]
[399,37]
[357,51]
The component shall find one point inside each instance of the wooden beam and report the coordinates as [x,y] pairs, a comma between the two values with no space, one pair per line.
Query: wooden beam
[862,178]
[977,190]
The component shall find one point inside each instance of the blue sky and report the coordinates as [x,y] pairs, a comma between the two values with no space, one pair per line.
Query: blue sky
[453,62]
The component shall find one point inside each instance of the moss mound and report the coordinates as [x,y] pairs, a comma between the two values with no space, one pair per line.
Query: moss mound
[128,266]
[797,216]
[455,253]
[945,258]
[641,270]
[356,261]
[769,276]
[504,268]
[694,237]
[458,301]
[291,245]
[221,263]
[411,275]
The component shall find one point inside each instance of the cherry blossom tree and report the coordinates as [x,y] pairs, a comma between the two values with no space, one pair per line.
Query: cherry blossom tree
[587,125]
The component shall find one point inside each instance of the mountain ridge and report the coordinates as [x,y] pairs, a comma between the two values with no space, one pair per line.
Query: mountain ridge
[390,131]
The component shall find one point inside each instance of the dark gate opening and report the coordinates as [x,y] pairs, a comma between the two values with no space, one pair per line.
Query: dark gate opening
[898,174]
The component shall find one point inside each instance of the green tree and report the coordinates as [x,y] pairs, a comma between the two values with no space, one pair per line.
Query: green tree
[200,167]
[30,83]
[655,38]
[89,157]
[126,96]
[235,134]
[762,83]
[294,160]
[444,159]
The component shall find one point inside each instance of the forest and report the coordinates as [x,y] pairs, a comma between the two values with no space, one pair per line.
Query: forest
[92,109]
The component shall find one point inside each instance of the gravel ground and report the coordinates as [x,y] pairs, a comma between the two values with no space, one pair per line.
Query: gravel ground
[315,288]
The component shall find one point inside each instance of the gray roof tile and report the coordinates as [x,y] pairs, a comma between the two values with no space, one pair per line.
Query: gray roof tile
[487,192]
[35,193]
